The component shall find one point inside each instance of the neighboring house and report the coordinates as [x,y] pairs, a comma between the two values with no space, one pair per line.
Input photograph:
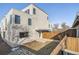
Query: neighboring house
[22,26]
[76,25]
[72,42]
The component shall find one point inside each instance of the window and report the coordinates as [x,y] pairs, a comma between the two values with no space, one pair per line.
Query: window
[28,11]
[77,32]
[47,18]
[10,19]
[29,21]
[49,25]
[34,11]
[23,34]
[17,19]
[3,34]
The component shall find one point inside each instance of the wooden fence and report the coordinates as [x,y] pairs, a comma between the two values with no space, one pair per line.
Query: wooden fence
[72,44]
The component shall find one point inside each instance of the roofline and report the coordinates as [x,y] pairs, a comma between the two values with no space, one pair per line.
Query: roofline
[2,20]
[10,10]
[22,11]
[75,20]
[37,7]
[40,9]
[5,15]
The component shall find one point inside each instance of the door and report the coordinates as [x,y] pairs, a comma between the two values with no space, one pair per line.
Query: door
[3,34]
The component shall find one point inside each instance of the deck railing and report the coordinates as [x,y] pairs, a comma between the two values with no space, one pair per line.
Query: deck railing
[60,46]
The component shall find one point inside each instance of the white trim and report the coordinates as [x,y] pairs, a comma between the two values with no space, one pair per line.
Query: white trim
[72,52]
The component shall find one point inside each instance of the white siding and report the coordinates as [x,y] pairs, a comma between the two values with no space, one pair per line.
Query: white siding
[39,21]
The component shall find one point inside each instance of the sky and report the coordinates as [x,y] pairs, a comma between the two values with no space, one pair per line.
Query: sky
[57,12]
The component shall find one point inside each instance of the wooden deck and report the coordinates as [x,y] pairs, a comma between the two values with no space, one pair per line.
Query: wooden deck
[46,49]
[36,45]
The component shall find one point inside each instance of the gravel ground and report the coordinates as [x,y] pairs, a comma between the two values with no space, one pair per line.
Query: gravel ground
[21,51]
[4,47]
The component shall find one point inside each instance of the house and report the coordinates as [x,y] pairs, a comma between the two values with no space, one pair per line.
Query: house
[72,42]
[22,26]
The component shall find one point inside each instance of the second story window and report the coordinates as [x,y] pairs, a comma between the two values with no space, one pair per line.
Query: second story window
[29,21]
[34,11]
[47,17]
[49,25]
[77,32]
[17,19]
[28,11]
[10,19]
